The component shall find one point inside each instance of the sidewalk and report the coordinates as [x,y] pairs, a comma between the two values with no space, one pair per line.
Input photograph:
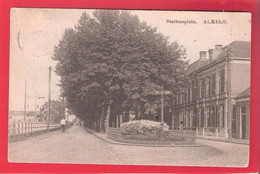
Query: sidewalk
[223,139]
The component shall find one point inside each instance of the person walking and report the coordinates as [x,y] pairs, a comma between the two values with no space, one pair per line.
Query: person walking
[63,124]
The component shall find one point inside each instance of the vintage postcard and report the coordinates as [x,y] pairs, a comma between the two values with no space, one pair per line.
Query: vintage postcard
[129,87]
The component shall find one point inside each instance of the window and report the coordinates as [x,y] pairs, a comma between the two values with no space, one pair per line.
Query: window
[213,84]
[188,91]
[243,110]
[200,88]
[187,119]
[208,86]
[184,95]
[217,115]
[212,117]
[181,120]
[191,119]
[234,126]
[207,119]
[222,81]
[195,90]
[188,94]
[243,126]
[191,90]
[221,116]
[184,120]
[201,117]
[203,86]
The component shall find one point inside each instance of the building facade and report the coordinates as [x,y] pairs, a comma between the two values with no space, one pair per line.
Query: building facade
[207,103]
[241,118]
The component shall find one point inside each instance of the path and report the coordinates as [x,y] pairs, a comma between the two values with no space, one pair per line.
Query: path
[73,146]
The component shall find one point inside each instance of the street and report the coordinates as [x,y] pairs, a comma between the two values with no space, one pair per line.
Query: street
[79,147]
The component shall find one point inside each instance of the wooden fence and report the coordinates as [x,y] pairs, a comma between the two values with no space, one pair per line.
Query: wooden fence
[17,128]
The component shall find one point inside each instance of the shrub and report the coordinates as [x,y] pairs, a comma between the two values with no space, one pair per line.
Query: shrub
[143,127]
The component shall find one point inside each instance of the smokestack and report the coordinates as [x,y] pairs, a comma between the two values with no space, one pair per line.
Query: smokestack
[203,55]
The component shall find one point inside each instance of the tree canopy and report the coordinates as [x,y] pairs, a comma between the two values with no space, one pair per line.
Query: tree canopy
[114,59]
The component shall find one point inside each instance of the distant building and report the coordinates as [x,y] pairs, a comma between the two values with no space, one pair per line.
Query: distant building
[21,115]
[207,104]
[57,111]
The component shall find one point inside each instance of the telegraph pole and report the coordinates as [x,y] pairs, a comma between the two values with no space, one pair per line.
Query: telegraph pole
[49,101]
[24,113]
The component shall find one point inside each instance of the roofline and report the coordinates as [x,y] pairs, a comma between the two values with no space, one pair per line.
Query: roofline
[221,60]
[211,64]
[242,97]
[226,57]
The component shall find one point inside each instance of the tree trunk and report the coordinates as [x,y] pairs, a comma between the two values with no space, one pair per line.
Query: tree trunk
[98,125]
[102,119]
[136,113]
[139,112]
[107,117]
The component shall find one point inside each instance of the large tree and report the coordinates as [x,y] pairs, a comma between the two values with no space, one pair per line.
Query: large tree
[113,63]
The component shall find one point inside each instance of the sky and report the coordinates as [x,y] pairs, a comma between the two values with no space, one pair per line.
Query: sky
[34,32]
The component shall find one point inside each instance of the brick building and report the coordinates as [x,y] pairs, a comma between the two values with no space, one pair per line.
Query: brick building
[216,79]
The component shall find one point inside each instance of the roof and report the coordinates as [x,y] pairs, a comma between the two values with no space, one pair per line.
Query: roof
[197,65]
[244,94]
[238,49]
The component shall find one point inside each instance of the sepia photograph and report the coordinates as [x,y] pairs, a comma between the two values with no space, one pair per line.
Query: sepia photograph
[129,87]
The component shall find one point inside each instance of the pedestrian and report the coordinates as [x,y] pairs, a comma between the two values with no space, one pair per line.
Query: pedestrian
[63,124]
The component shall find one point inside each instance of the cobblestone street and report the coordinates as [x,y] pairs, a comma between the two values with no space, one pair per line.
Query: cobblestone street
[79,147]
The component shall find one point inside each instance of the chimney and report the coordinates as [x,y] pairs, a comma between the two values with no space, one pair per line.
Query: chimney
[210,54]
[203,55]
[217,47]
[229,52]
[214,53]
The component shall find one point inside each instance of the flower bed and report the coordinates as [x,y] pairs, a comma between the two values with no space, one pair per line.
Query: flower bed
[143,127]
[150,132]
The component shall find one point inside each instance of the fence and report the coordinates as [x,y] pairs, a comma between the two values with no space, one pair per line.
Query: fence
[17,128]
